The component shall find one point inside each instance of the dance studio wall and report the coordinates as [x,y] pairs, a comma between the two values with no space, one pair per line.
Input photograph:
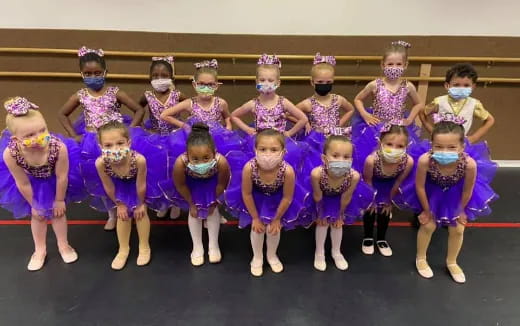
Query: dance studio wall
[50,94]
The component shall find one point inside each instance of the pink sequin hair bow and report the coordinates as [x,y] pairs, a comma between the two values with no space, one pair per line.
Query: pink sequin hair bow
[84,50]
[448,117]
[339,131]
[19,106]
[168,59]
[213,63]
[404,44]
[318,58]
[388,125]
[269,60]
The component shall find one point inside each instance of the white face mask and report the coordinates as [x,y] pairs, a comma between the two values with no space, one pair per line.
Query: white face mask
[392,155]
[339,168]
[162,85]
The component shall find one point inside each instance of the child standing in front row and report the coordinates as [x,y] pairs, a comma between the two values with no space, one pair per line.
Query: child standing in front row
[264,193]
[340,196]
[200,176]
[450,189]
[40,174]
[460,82]
[385,170]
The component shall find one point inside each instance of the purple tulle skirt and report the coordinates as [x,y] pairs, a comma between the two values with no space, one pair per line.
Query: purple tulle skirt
[444,203]
[203,194]
[266,205]
[126,190]
[44,189]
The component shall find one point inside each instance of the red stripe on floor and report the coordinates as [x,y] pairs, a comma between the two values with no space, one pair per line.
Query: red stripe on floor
[505,225]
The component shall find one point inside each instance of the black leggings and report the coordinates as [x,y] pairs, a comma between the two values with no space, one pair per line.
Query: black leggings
[382,224]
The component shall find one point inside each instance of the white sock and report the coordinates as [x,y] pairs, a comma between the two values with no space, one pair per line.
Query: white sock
[257,243]
[321,237]
[272,245]
[336,234]
[195,226]
[213,221]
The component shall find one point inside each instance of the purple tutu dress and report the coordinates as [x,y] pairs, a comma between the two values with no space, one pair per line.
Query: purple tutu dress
[275,118]
[383,183]
[203,189]
[328,208]
[444,192]
[42,178]
[156,107]
[267,197]
[125,185]
[387,106]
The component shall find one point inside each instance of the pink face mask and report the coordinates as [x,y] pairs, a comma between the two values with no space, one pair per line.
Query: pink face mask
[269,161]
[393,73]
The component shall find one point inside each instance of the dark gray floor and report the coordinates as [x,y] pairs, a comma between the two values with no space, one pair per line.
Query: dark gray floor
[374,291]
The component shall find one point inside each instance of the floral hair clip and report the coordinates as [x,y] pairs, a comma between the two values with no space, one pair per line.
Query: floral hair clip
[207,63]
[19,106]
[330,59]
[269,60]
[84,50]
[168,59]
[448,117]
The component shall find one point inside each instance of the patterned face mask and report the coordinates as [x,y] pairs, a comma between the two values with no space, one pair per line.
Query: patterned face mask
[115,155]
[393,73]
[40,141]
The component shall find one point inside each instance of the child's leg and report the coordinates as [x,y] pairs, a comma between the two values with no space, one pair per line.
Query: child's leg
[319,255]
[336,235]
[123,230]
[197,254]
[257,244]
[143,232]
[39,234]
[455,239]
[367,245]
[382,226]
[213,221]
[68,254]
[273,240]
[424,235]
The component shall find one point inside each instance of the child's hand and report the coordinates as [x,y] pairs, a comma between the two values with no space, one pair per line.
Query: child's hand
[322,222]
[58,208]
[140,211]
[387,209]
[425,217]
[407,122]
[193,211]
[338,224]
[122,212]
[230,128]
[463,218]
[370,119]
[274,227]
[186,128]
[251,131]
[35,214]
[258,226]
[471,139]
[308,128]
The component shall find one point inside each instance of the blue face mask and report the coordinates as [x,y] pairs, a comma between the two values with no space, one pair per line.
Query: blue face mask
[444,158]
[94,83]
[459,93]
[339,168]
[202,168]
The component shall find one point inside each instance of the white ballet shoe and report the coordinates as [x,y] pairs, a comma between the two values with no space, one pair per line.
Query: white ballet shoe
[423,268]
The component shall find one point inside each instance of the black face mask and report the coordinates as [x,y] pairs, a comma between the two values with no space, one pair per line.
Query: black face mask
[322,89]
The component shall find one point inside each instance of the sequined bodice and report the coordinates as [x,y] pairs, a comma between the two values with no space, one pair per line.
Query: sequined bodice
[270,118]
[378,167]
[388,105]
[324,117]
[102,109]
[270,188]
[156,107]
[211,117]
[132,173]
[325,185]
[447,181]
[42,171]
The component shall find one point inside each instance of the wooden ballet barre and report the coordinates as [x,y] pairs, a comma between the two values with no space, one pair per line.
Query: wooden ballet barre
[26,74]
[255,56]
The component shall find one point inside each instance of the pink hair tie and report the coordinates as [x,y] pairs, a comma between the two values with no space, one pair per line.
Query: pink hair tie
[324,59]
[19,106]
[269,60]
[388,125]
[404,44]
[168,59]
[84,50]
[211,64]
[448,117]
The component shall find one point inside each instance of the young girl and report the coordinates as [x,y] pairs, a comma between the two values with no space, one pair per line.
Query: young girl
[339,198]
[163,96]
[101,104]
[200,175]
[206,108]
[263,193]
[40,174]
[390,94]
[271,110]
[126,183]
[450,190]
[385,170]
